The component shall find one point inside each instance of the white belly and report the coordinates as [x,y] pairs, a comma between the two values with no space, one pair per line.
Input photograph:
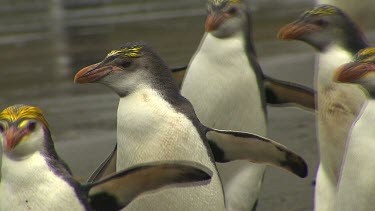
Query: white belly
[30,185]
[356,189]
[149,130]
[338,106]
[223,89]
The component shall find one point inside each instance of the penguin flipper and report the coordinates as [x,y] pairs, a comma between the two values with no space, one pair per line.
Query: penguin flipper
[107,167]
[118,190]
[178,74]
[230,146]
[282,92]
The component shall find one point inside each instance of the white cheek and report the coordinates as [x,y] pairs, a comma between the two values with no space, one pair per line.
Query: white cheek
[125,81]
[33,143]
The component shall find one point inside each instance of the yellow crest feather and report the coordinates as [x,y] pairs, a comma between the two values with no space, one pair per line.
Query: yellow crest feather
[219,2]
[366,55]
[17,112]
[324,10]
[133,52]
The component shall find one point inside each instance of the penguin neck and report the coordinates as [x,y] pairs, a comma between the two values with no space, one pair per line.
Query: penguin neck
[328,61]
[354,40]
[226,53]
[223,47]
[47,153]
[153,96]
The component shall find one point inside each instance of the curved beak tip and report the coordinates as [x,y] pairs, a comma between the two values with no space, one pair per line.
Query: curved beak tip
[80,76]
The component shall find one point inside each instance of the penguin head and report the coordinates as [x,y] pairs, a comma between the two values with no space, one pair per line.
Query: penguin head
[22,130]
[323,26]
[126,69]
[360,71]
[226,18]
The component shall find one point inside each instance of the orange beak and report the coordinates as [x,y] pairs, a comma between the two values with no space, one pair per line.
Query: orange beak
[353,71]
[12,138]
[214,21]
[93,73]
[295,30]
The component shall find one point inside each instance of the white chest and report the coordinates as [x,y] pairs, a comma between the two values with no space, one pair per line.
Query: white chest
[30,185]
[149,129]
[222,86]
[357,182]
[338,104]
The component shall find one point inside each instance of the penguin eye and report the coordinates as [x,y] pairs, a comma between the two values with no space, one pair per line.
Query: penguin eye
[123,62]
[31,126]
[320,22]
[231,11]
[2,128]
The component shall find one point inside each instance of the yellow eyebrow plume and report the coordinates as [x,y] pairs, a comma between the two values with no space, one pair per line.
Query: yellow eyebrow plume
[17,112]
[326,10]
[219,2]
[132,52]
[366,55]
[234,1]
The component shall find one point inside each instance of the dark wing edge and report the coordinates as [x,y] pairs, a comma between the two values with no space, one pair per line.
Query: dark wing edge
[281,93]
[231,145]
[118,190]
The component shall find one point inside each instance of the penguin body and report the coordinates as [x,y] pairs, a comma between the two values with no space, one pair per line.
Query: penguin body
[38,188]
[31,166]
[337,39]
[155,122]
[224,77]
[153,136]
[335,108]
[233,91]
[231,80]
[356,186]
[33,177]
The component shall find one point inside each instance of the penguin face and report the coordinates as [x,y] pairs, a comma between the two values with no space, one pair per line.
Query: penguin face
[321,27]
[22,130]
[226,18]
[360,71]
[123,70]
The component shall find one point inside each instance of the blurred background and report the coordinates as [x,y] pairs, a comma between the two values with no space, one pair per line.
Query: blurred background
[43,43]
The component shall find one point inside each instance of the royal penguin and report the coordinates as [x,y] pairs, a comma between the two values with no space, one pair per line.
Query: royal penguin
[33,177]
[224,77]
[155,122]
[356,187]
[336,38]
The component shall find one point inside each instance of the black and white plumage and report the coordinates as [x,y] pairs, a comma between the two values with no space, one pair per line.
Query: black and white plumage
[155,122]
[356,187]
[337,38]
[233,91]
[33,177]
